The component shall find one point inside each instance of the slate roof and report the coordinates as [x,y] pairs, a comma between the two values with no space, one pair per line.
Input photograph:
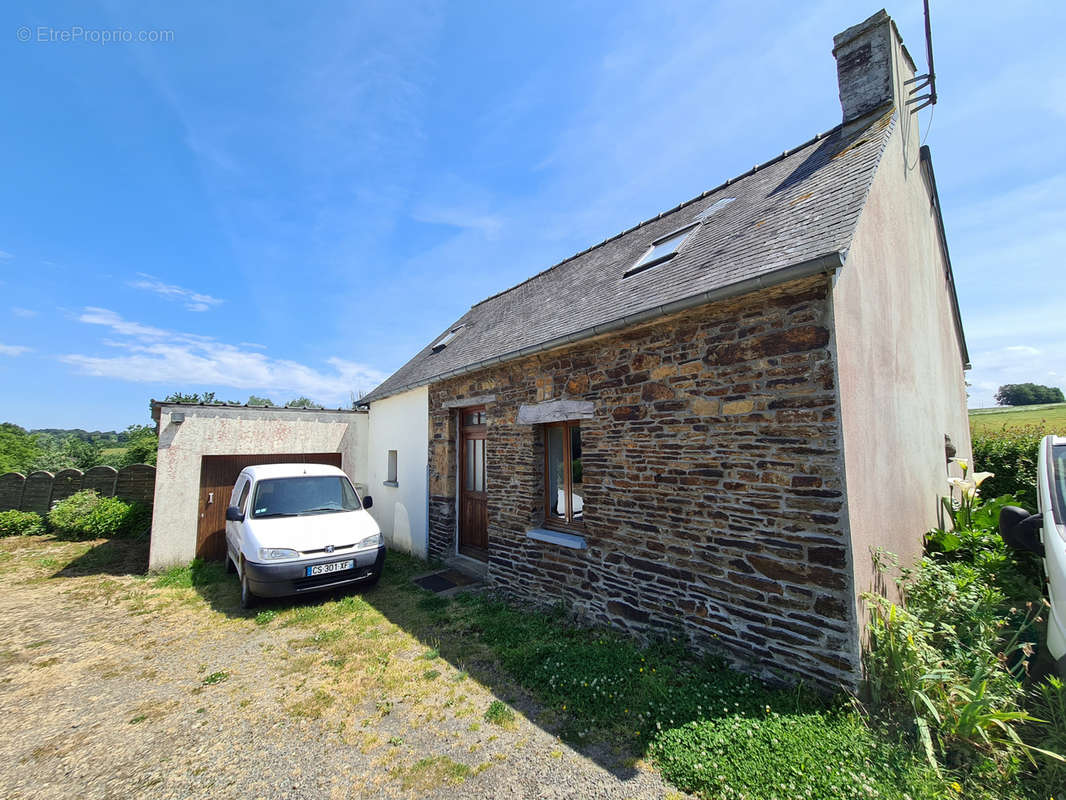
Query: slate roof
[801,206]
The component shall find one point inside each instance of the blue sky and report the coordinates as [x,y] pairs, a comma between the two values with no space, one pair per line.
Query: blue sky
[287,202]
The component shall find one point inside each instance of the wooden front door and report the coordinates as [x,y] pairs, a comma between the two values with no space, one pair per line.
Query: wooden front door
[473,507]
[217,476]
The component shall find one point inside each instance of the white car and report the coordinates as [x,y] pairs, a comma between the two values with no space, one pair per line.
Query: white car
[1019,530]
[295,528]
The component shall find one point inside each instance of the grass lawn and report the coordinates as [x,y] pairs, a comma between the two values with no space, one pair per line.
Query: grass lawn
[709,729]
[1051,417]
[355,660]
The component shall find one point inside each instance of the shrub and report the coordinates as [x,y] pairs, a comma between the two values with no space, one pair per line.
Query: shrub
[87,515]
[21,523]
[1012,455]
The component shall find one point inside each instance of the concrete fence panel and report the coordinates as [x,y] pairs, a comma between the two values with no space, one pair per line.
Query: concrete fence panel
[41,490]
[101,480]
[66,483]
[37,494]
[11,484]
[136,484]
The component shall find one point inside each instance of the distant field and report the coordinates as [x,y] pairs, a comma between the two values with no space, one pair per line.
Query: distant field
[1052,417]
[110,452]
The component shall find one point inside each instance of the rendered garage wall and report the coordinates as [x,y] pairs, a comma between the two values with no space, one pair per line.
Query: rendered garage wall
[400,423]
[220,430]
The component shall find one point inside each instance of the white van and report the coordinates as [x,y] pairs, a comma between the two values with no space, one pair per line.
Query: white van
[295,528]
[1044,533]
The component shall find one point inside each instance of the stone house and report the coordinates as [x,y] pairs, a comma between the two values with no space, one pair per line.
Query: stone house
[739,402]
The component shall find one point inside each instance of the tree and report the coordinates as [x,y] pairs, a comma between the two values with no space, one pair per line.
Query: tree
[182,397]
[302,402]
[81,454]
[1028,394]
[255,400]
[17,449]
[142,445]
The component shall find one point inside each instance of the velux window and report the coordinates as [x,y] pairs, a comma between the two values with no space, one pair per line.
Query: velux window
[661,250]
[563,494]
[446,339]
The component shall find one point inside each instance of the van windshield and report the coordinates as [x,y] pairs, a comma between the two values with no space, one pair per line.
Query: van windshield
[306,494]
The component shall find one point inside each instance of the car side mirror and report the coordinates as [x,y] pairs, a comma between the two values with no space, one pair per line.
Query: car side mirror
[1020,529]
[234,514]
[368,502]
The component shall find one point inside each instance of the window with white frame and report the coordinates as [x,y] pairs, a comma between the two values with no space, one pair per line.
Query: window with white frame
[392,478]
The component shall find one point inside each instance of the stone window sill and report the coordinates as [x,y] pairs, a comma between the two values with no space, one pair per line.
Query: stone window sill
[556,537]
[390,483]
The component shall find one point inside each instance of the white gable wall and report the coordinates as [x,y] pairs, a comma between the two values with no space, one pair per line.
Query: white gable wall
[400,423]
[900,363]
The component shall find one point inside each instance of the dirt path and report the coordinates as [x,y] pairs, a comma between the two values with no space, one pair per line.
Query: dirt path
[114,687]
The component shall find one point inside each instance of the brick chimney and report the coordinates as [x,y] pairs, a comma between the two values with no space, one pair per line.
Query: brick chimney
[872,66]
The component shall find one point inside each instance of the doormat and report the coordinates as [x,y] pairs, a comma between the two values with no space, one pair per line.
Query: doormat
[443,581]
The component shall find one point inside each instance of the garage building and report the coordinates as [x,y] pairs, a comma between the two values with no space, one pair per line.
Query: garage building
[203,448]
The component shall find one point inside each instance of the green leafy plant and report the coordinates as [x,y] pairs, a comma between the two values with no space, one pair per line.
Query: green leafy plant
[960,509]
[87,515]
[777,755]
[21,523]
[499,714]
[1048,702]
[953,655]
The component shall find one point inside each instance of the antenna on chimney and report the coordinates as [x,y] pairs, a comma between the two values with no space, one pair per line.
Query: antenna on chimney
[928,80]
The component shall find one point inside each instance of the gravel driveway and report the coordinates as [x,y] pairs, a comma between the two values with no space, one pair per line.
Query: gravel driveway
[117,684]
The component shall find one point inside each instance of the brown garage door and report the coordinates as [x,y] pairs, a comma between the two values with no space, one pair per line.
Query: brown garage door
[217,476]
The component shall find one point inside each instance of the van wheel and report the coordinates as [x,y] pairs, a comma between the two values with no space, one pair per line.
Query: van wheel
[247,598]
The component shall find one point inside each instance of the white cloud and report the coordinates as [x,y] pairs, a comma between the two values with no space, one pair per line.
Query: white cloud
[194,301]
[153,355]
[487,224]
[13,349]
[23,312]
[102,316]
[4,255]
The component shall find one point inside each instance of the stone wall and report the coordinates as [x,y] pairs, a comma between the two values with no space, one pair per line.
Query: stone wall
[712,476]
[41,490]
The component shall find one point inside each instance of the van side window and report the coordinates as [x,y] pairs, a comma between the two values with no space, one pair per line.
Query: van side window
[244,496]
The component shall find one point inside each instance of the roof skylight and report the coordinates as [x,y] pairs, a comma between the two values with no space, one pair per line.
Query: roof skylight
[446,339]
[661,250]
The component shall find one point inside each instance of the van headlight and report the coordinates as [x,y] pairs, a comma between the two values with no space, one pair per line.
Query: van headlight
[274,553]
[371,541]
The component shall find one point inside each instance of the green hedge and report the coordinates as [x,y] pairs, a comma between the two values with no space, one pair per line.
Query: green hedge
[21,523]
[87,515]
[1012,455]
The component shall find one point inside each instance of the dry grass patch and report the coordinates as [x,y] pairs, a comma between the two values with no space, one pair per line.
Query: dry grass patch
[313,707]
[150,711]
[433,772]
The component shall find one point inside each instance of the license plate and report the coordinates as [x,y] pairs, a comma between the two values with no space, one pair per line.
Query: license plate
[325,569]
